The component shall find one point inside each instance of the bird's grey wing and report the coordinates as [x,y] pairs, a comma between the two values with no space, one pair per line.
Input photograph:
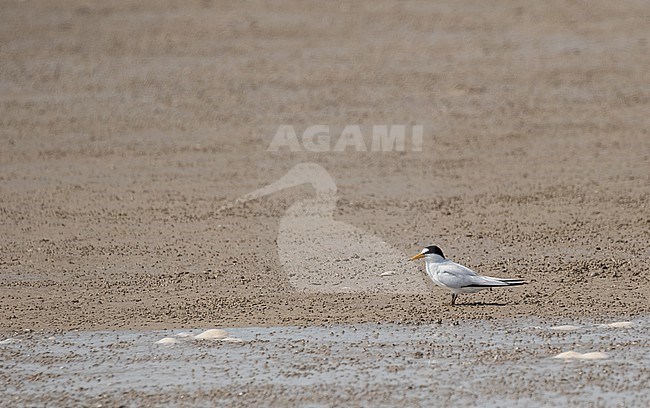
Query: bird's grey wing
[454,275]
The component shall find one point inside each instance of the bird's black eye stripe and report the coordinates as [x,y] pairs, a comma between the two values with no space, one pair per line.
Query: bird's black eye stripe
[434,249]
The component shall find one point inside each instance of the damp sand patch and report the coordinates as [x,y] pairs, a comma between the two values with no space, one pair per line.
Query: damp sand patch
[490,362]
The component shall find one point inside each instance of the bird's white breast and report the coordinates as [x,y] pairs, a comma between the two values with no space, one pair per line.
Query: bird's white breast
[432,271]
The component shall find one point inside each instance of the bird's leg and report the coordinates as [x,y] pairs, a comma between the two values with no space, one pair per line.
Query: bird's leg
[453,298]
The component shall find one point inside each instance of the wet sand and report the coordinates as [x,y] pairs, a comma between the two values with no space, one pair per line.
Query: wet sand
[500,363]
[127,126]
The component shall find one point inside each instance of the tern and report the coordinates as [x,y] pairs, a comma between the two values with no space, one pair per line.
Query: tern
[456,277]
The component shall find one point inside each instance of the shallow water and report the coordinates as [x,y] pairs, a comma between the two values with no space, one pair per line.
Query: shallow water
[491,363]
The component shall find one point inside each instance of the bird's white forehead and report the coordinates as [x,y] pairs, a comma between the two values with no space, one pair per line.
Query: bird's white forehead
[423,251]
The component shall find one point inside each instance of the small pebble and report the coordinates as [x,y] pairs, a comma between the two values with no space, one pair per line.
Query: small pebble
[388,273]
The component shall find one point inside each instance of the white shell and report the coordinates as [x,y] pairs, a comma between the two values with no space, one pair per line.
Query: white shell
[232,340]
[388,273]
[618,325]
[566,327]
[594,355]
[167,340]
[212,334]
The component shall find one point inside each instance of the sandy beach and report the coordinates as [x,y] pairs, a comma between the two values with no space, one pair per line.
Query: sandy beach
[127,127]
[143,193]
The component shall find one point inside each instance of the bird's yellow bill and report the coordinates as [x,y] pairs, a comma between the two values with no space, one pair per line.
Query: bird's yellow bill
[418,256]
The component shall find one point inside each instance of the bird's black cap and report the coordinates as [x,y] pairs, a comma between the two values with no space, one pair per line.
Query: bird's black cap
[434,249]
